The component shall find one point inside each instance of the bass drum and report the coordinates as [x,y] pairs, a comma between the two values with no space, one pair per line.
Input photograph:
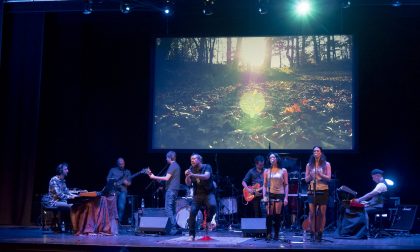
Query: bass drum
[183,215]
[182,203]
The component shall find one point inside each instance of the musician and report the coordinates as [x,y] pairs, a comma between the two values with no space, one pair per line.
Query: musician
[199,175]
[255,178]
[172,179]
[318,174]
[58,193]
[373,200]
[122,177]
[276,192]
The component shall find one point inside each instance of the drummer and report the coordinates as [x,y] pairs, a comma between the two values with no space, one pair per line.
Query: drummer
[172,179]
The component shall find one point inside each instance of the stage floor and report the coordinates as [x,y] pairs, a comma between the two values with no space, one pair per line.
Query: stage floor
[34,239]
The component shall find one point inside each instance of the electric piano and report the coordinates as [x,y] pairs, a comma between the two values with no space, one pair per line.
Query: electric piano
[84,196]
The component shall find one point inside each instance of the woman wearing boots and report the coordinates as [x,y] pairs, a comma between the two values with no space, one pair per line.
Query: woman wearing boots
[275,191]
[318,174]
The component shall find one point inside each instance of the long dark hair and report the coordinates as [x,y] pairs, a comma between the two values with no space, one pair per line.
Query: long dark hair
[322,159]
[278,158]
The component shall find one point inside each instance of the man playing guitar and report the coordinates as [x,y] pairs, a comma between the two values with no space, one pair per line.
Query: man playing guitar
[123,176]
[252,184]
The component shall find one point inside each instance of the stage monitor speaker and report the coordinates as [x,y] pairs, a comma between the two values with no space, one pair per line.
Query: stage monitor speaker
[158,225]
[154,212]
[253,226]
[405,218]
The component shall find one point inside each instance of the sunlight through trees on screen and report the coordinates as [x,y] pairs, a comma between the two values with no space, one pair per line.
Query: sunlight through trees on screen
[252,103]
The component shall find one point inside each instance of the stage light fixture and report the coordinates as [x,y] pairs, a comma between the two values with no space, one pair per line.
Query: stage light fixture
[389,182]
[125,6]
[208,7]
[263,6]
[303,7]
[87,7]
[168,8]
[395,3]
[345,4]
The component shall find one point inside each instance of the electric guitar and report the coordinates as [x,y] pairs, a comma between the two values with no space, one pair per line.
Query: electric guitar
[306,223]
[121,179]
[256,192]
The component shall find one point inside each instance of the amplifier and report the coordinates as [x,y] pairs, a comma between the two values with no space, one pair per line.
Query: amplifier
[405,218]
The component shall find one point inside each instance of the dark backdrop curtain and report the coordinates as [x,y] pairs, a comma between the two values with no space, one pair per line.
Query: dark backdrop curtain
[1,25]
[21,75]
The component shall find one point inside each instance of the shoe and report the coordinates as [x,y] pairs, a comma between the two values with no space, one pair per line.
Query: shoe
[318,236]
[268,237]
[209,226]
[173,232]
[276,237]
[191,238]
[312,236]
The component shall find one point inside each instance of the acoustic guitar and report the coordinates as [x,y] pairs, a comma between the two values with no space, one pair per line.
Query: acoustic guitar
[256,191]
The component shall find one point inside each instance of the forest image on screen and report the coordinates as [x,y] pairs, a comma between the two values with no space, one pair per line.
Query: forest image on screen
[239,93]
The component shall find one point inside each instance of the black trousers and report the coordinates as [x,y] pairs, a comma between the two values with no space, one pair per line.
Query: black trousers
[201,201]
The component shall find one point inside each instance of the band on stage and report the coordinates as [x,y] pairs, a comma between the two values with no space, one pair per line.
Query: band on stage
[272,189]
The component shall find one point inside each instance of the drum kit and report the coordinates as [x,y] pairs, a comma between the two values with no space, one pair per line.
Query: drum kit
[227,207]
[297,197]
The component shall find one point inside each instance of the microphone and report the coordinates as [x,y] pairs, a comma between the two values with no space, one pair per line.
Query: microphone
[269,146]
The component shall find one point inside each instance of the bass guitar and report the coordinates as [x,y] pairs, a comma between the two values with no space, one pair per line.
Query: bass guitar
[120,181]
[256,191]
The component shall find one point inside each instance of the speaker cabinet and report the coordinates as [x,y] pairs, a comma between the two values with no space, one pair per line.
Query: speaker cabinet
[154,212]
[405,218]
[253,226]
[158,225]
[131,209]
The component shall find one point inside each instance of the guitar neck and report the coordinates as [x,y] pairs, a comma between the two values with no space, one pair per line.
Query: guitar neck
[142,171]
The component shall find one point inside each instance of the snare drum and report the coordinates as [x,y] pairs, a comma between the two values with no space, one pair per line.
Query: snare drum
[228,205]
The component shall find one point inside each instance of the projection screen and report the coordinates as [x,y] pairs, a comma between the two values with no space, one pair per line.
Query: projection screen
[251,93]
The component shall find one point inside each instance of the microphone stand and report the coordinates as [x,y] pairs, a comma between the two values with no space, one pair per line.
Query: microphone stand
[153,182]
[296,223]
[315,204]
[269,201]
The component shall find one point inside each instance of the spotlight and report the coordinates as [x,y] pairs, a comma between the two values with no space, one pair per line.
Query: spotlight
[389,182]
[345,4]
[168,8]
[125,6]
[303,8]
[263,6]
[208,7]
[396,3]
[87,7]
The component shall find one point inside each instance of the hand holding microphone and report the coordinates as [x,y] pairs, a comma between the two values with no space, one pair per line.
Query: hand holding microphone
[188,173]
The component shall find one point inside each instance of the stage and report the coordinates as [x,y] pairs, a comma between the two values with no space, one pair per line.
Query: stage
[32,238]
